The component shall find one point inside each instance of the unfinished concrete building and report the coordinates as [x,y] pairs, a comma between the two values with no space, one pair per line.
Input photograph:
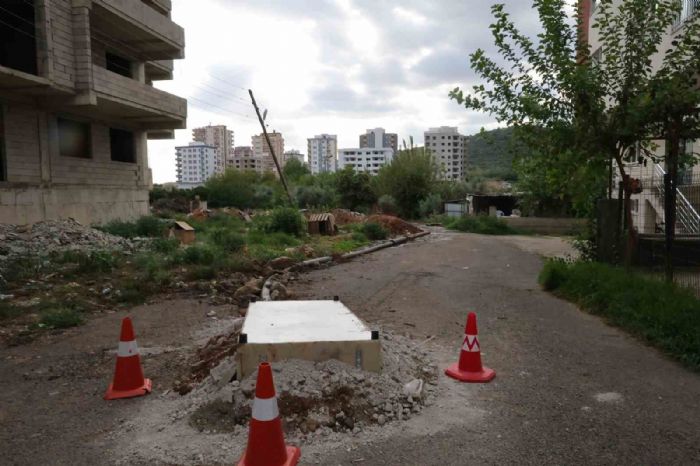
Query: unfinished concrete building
[77,106]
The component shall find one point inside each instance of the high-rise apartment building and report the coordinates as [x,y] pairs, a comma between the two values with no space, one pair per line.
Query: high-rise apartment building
[196,163]
[322,153]
[244,159]
[379,138]
[449,148]
[261,150]
[77,106]
[220,137]
[377,148]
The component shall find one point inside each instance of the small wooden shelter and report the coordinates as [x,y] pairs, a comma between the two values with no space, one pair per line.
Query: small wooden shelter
[321,224]
[183,231]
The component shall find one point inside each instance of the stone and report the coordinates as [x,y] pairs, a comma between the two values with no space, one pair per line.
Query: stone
[381,419]
[281,263]
[414,388]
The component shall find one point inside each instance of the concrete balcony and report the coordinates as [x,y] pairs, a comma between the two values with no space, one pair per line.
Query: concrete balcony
[160,70]
[13,81]
[129,100]
[140,27]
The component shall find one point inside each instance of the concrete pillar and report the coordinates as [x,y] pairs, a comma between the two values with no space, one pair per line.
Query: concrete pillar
[44,146]
[83,52]
[138,72]
[144,173]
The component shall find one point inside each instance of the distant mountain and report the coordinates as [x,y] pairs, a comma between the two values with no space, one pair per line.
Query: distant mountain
[490,153]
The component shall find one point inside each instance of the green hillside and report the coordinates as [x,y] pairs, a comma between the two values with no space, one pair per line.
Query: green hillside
[491,154]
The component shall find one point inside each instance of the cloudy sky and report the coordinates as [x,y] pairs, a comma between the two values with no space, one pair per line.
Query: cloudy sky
[328,66]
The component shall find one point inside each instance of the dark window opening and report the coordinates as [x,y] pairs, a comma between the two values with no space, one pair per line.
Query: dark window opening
[17,36]
[3,162]
[73,139]
[119,65]
[122,145]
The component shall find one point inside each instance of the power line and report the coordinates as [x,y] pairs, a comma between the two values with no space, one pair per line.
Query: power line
[18,30]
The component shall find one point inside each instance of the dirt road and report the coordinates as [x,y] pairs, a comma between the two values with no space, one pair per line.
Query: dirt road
[569,389]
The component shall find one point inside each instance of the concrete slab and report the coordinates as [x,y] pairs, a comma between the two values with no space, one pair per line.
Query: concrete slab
[310,330]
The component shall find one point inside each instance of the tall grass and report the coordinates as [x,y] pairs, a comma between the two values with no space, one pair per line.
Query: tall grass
[659,313]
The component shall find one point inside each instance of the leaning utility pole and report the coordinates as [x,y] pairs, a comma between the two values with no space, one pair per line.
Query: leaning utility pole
[272,151]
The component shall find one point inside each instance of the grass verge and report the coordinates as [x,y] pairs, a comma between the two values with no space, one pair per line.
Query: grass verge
[662,314]
[482,224]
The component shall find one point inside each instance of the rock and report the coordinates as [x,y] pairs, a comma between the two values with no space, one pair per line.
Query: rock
[381,419]
[246,292]
[414,388]
[281,263]
[224,372]
[255,283]
[211,313]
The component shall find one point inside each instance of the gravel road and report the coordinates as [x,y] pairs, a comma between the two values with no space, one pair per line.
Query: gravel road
[569,388]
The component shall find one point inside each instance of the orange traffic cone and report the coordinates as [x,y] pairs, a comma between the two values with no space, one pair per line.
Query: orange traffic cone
[128,376]
[266,445]
[469,368]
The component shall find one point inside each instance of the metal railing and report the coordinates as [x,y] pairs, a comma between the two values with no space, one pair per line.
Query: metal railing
[688,9]
[687,218]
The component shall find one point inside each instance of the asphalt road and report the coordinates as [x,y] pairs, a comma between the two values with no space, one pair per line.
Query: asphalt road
[569,388]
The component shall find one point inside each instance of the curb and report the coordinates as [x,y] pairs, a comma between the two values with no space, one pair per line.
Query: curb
[318,261]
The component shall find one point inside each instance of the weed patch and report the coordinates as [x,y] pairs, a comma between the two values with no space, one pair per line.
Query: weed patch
[374,231]
[482,224]
[662,314]
[61,317]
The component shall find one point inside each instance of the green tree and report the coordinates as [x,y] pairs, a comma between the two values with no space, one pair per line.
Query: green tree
[409,179]
[294,169]
[587,113]
[354,189]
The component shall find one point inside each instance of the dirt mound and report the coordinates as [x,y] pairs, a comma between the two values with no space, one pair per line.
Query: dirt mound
[327,396]
[345,217]
[394,225]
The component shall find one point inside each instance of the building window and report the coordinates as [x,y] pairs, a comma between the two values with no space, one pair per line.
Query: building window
[122,146]
[17,36]
[119,65]
[74,139]
[3,160]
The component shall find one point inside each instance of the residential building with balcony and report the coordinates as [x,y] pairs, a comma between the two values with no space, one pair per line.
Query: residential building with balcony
[322,151]
[369,160]
[449,149]
[261,151]
[196,163]
[77,106]
[245,160]
[379,138]
[220,137]
[647,206]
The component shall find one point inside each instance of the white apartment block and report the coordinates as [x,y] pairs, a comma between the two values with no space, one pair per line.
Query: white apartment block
[376,149]
[261,150]
[648,206]
[220,137]
[449,148]
[365,160]
[196,163]
[322,153]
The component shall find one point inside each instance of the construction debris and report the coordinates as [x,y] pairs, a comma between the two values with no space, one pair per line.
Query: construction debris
[345,217]
[394,225]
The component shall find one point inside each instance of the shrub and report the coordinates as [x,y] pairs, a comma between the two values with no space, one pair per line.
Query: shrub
[61,317]
[228,240]
[314,196]
[409,178]
[286,220]
[374,231]
[359,236]
[482,224]
[387,204]
[553,274]
[354,189]
[431,205]
[165,245]
[198,254]
[147,225]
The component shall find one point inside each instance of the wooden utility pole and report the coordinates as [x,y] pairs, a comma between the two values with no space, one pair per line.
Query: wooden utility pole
[272,150]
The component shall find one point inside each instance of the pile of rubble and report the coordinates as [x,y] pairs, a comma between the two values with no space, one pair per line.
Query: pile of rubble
[55,235]
[394,225]
[344,217]
[324,398]
[19,242]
